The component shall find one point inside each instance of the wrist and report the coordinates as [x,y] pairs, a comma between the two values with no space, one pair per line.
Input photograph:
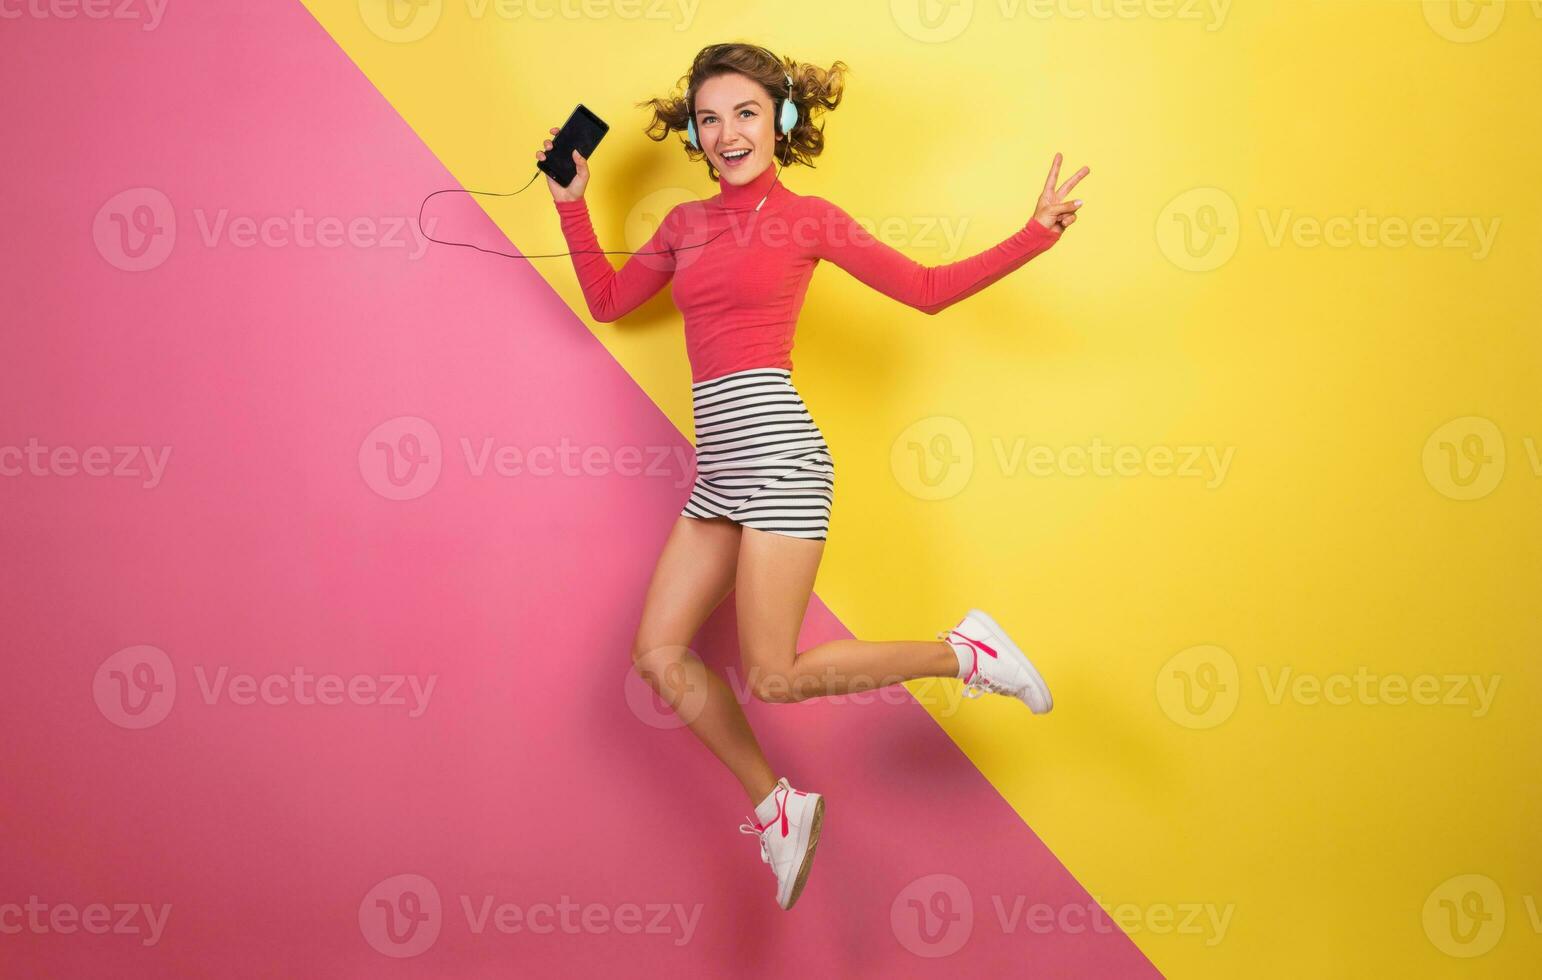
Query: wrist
[1038,228]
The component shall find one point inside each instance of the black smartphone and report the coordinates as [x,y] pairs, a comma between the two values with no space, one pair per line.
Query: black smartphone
[582,132]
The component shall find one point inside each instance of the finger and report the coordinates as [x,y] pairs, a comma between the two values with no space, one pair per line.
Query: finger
[552,130]
[1054,175]
[547,144]
[1075,179]
[1064,207]
[539,155]
[1069,219]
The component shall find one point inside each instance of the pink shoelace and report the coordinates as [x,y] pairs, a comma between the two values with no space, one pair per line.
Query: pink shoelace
[976,683]
[755,827]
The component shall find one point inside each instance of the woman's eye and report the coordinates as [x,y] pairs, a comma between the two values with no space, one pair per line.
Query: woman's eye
[712,119]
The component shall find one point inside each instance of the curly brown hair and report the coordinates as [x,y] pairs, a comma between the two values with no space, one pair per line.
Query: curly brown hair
[815,90]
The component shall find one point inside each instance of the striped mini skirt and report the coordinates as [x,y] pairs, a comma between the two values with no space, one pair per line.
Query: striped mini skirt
[760,459]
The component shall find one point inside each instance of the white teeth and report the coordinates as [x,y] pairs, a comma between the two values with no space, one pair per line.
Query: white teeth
[736,154]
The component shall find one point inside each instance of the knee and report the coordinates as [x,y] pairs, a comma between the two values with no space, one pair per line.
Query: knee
[776,687]
[654,659]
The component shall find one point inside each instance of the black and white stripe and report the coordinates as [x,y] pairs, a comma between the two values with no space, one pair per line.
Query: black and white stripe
[761,461]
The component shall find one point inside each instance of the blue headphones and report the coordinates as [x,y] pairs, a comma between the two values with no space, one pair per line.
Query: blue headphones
[786,118]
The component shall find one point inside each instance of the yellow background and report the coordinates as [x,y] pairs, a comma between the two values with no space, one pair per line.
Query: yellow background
[1328,547]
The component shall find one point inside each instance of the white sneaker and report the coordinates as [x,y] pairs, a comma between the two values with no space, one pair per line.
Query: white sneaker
[788,839]
[1004,669]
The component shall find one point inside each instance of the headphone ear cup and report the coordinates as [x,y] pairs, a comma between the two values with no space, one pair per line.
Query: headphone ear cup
[789,115]
[690,133]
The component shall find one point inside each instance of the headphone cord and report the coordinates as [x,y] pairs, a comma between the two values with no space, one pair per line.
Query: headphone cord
[553,255]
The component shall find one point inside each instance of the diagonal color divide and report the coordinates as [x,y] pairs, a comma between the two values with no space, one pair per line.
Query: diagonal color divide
[1309,542]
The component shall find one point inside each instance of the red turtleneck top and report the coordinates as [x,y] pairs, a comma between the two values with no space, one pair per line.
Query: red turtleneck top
[740,294]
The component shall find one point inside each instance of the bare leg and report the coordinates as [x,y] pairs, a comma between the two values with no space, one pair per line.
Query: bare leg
[775,581]
[695,572]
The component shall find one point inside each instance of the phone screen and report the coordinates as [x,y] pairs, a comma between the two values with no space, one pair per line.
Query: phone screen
[582,132]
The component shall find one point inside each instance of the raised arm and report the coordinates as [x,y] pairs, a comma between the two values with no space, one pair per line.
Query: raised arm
[610,294]
[929,289]
[932,289]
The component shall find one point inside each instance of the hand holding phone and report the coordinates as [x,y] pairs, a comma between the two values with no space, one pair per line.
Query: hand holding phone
[567,165]
[575,189]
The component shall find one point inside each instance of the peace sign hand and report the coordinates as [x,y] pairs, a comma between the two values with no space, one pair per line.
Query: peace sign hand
[1055,212]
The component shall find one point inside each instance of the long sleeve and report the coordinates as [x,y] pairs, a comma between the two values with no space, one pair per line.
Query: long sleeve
[611,295]
[929,289]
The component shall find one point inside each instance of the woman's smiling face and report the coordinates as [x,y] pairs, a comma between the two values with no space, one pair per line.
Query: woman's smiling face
[733,114]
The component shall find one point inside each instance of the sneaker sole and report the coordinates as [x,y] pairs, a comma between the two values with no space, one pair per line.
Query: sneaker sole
[808,856]
[1036,681]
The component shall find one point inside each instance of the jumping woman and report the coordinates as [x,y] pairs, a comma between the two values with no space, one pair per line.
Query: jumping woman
[759,511]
